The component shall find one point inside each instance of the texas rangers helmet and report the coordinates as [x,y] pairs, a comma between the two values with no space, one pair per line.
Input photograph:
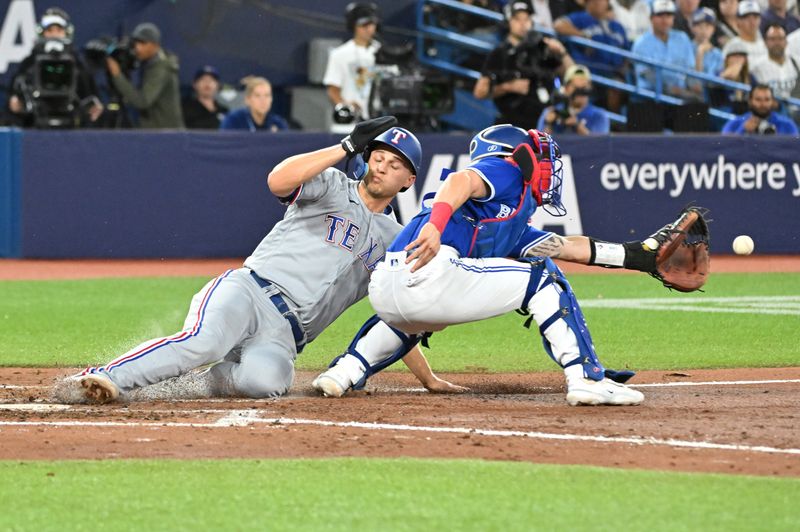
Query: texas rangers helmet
[498,141]
[400,140]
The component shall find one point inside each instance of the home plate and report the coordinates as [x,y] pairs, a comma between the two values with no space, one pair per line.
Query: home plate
[34,407]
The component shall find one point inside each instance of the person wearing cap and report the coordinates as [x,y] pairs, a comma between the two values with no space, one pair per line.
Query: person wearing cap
[707,57]
[749,17]
[666,45]
[761,119]
[520,94]
[350,70]
[257,114]
[777,12]
[157,100]
[779,69]
[575,113]
[55,24]
[201,110]
[735,67]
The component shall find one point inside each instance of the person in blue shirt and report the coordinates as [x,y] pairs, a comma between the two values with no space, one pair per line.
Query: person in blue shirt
[761,119]
[597,23]
[471,255]
[575,113]
[666,45]
[707,57]
[256,116]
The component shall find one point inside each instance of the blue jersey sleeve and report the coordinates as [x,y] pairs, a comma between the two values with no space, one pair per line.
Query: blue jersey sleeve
[503,179]
[530,238]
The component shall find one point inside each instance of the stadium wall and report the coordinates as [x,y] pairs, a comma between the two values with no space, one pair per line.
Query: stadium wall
[182,194]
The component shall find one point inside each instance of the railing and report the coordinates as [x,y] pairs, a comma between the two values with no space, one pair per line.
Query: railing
[428,31]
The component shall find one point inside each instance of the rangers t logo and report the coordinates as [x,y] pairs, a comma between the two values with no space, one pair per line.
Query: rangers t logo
[398,136]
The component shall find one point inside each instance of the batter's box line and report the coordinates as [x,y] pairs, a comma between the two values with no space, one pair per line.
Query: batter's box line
[524,434]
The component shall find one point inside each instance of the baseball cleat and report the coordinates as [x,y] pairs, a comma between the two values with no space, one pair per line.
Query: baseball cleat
[605,392]
[328,385]
[98,388]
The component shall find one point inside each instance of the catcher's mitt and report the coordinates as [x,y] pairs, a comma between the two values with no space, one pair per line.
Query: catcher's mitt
[681,251]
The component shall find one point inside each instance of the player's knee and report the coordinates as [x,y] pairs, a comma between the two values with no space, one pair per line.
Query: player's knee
[265,378]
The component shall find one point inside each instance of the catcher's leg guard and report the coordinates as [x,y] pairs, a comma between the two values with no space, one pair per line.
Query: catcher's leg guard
[565,334]
[376,346]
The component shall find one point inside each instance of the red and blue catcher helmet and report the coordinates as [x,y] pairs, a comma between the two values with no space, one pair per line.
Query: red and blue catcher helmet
[501,141]
[400,140]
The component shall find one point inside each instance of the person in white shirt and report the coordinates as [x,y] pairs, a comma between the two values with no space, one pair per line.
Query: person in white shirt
[749,17]
[779,70]
[350,71]
[634,15]
[793,43]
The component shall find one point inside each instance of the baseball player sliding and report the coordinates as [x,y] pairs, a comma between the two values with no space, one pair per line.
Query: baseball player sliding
[313,264]
[451,265]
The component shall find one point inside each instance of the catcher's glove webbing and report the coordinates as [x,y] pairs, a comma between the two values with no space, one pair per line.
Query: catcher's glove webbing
[678,253]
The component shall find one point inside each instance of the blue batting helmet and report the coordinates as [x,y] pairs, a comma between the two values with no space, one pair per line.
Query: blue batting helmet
[498,141]
[402,141]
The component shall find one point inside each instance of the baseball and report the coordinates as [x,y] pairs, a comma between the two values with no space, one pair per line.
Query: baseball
[743,245]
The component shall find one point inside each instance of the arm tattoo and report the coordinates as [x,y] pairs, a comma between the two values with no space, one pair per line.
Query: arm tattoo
[551,247]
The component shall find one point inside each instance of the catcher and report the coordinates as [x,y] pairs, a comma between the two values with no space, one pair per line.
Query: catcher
[472,256]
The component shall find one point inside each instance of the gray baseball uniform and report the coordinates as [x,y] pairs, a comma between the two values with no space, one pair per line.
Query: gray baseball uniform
[312,265]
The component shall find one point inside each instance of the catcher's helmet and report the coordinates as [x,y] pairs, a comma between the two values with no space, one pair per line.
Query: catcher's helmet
[402,141]
[498,141]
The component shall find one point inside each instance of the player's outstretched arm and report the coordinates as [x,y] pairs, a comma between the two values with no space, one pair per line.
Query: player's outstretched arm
[297,169]
[418,364]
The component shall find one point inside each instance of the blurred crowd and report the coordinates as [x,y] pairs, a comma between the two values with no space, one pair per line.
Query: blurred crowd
[534,77]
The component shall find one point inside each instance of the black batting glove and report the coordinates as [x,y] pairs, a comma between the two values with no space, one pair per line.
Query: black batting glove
[356,142]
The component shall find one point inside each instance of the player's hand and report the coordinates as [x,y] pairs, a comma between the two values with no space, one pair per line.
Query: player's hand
[356,142]
[427,246]
[437,385]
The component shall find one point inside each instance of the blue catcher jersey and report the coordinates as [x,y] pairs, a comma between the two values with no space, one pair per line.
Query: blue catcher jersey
[494,226]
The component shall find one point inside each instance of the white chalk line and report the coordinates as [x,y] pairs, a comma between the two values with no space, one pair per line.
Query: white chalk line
[712,383]
[780,305]
[240,418]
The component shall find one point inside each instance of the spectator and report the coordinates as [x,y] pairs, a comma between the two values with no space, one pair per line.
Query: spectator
[55,25]
[761,119]
[574,113]
[727,22]
[521,91]
[734,68]
[707,57]
[749,17]
[779,70]
[793,43]
[594,23]
[349,73]
[777,13]
[666,45]
[683,15]
[256,116]
[201,110]
[634,15]
[158,100]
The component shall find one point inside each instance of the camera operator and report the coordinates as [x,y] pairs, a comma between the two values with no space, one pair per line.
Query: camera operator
[64,100]
[519,74]
[158,100]
[762,119]
[350,70]
[572,112]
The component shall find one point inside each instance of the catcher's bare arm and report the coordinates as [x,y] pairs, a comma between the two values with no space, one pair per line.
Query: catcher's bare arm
[677,254]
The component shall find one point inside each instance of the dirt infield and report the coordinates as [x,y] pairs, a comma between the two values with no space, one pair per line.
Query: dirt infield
[741,421]
[743,428]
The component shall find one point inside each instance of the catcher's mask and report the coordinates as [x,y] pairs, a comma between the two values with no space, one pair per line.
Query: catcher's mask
[548,176]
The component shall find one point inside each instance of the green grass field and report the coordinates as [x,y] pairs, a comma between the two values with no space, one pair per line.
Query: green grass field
[349,494]
[74,323]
